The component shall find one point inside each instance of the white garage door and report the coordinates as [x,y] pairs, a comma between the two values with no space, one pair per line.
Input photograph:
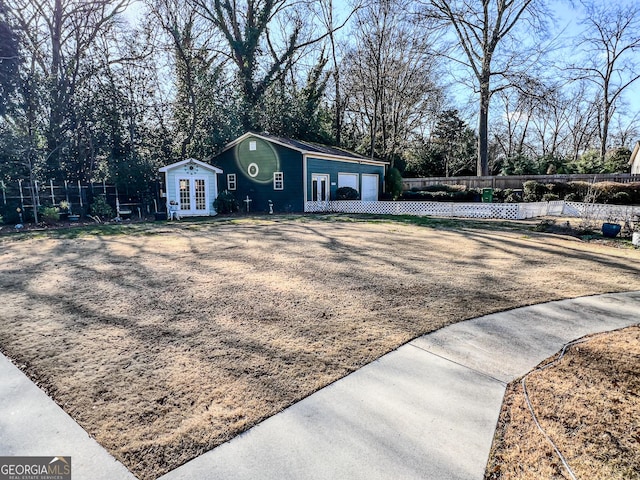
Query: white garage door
[369,187]
[348,180]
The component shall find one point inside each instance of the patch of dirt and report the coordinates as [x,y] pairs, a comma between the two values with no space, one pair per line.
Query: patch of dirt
[164,345]
[588,403]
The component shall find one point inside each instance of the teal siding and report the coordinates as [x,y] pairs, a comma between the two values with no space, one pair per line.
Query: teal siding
[254,165]
[333,167]
[254,175]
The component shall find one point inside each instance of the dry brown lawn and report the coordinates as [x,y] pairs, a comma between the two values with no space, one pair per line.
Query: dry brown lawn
[588,403]
[166,343]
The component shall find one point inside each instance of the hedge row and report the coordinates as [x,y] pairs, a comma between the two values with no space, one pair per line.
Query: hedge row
[601,192]
[458,193]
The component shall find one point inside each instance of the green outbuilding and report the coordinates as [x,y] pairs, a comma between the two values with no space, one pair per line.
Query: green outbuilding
[266,172]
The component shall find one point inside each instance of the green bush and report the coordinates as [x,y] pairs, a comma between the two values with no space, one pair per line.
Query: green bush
[100,208]
[533,191]
[49,214]
[438,187]
[573,197]
[11,216]
[394,183]
[226,203]
[578,189]
[347,193]
[562,189]
[550,197]
[512,197]
[471,195]
[621,198]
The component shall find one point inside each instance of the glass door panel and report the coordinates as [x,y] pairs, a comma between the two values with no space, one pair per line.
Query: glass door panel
[200,194]
[185,194]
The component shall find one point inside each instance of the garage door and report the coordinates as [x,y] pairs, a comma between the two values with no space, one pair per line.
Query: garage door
[369,187]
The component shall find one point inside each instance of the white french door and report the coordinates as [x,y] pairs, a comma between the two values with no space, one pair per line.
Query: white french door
[319,187]
[192,194]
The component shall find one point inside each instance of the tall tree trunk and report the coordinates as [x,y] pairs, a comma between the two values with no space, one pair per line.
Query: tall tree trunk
[55,87]
[483,128]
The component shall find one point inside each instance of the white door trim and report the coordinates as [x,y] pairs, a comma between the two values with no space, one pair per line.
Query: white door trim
[318,177]
[192,195]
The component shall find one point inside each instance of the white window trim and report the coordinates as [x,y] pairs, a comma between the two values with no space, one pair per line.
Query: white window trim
[278,177]
[231,181]
[351,174]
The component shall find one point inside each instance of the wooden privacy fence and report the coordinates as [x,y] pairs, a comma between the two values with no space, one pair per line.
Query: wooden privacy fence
[516,181]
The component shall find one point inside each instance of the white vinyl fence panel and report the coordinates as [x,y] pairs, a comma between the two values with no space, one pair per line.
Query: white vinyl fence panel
[507,211]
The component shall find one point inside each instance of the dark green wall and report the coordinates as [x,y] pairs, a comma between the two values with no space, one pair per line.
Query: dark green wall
[268,158]
[254,174]
[316,165]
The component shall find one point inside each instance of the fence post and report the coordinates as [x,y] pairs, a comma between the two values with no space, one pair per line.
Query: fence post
[37,193]
[4,193]
[53,195]
[21,194]
[80,193]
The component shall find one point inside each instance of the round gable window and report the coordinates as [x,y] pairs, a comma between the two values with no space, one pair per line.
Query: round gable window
[253,170]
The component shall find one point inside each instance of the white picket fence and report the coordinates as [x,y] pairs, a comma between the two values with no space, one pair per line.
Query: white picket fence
[507,211]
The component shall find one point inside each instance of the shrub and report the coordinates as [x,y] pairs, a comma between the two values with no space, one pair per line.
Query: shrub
[438,187]
[559,188]
[510,196]
[621,198]
[579,190]
[49,214]
[533,191]
[100,208]
[498,195]
[347,193]
[394,183]
[573,197]
[11,216]
[226,203]
[550,197]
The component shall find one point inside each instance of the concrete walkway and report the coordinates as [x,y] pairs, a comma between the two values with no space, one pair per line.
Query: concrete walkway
[31,424]
[427,410]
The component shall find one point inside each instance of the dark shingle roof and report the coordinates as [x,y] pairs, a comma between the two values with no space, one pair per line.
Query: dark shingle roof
[314,147]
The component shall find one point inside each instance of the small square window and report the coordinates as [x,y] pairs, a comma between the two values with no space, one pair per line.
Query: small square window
[252,146]
[231,181]
[278,181]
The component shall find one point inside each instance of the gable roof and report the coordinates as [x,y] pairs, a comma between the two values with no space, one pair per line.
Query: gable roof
[306,148]
[188,160]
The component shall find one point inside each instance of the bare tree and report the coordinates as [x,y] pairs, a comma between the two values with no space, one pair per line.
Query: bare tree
[389,73]
[58,37]
[481,28]
[610,42]
[262,39]
[195,59]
